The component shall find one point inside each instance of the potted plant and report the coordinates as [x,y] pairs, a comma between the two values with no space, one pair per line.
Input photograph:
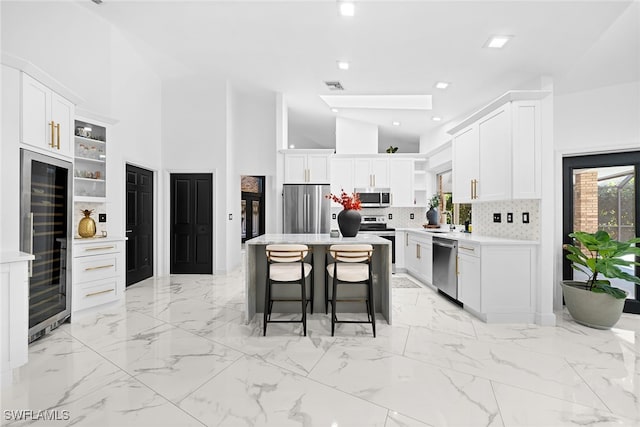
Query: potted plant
[349,217]
[595,302]
[432,214]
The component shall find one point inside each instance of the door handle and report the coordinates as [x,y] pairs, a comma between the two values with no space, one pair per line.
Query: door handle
[58,129]
[53,137]
[128,231]
[31,243]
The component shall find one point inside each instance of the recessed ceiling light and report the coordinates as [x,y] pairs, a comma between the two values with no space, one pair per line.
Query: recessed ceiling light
[343,65]
[497,42]
[347,8]
[335,110]
[292,146]
[396,123]
[436,118]
[442,85]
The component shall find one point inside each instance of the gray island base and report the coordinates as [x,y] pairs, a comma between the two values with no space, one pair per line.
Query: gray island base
[256,270]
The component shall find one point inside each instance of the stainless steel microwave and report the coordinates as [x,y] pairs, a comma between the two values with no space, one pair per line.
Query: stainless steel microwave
[374,197]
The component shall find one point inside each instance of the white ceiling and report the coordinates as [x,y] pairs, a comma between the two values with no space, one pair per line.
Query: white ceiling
[394,47]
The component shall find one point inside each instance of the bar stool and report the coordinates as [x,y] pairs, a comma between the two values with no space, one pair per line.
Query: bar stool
[286,265]
[351,266]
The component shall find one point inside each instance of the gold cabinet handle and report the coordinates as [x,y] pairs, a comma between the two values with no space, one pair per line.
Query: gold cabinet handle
[93,294]
[467,249]
[58,129]
[471,191]
[99,267]
[99,248]
[52,144]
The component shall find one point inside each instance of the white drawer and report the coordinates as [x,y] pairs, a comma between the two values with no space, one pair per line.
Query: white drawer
[94,293]
[467,248]
[96,248]
[87,269]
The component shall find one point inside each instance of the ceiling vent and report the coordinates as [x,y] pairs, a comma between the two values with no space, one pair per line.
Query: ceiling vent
[336,85]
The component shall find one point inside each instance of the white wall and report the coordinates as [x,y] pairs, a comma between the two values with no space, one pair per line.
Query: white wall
[88,56]
[255,129]
[194,140]
[354,137]
[601,119]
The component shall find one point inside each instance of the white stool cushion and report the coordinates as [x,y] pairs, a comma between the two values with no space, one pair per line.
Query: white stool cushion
[350,272]
[288,272]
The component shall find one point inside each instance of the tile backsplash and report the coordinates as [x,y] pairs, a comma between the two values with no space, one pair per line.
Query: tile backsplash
[482,219]
[98,208]
[401,217]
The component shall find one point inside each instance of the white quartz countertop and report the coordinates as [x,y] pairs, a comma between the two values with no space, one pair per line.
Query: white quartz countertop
[470,237]
[317,239]
[14,256]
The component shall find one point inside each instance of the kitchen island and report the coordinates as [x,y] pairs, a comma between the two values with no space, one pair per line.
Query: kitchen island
[256,270]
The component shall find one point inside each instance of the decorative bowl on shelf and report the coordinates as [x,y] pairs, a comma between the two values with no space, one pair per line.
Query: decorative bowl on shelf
[431,225]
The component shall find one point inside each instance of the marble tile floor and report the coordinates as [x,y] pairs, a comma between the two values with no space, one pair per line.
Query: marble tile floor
[178,352]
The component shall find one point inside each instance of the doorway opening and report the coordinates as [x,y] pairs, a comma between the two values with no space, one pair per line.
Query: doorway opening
[139,224]
[191,232]
[252,207]
[600,192]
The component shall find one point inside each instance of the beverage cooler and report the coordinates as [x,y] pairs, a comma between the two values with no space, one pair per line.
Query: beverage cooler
[45,212]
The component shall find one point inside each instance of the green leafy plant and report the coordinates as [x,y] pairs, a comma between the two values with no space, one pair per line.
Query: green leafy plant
[434,202]
[392,149]
[602,256]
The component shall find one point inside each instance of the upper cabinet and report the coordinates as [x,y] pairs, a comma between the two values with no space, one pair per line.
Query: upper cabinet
[384,171]
[306,166]
[496,152]
[369,173]
[46,118]
[401,182]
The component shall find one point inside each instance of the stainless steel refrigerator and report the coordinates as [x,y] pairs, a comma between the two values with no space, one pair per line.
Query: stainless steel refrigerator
[306,209]
[45,212]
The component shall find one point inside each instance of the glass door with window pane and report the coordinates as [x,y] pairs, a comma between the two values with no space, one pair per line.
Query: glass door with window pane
[600,193]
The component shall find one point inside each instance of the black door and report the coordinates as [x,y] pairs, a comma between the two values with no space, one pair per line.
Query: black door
[139,224]
[191,223]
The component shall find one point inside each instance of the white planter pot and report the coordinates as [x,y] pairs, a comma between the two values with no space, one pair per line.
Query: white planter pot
[596,310]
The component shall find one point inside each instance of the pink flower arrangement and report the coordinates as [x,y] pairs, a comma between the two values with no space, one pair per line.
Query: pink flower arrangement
[348,202]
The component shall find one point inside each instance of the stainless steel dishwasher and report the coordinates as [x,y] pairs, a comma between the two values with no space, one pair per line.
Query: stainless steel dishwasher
[445,258]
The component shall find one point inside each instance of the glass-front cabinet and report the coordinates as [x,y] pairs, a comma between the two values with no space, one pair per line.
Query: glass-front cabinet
[90,152]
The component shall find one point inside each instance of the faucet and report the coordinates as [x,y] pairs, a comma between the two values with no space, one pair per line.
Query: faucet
[450,219]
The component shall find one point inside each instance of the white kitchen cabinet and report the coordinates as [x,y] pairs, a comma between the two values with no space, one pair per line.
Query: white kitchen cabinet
[465,166]
[401,182]
[46,118]
[494,149]
[98,272]
[497,278]
[307,166]
[419,256]
[370,173]
[341,175]
[497,151]
[469,276]
[14,309]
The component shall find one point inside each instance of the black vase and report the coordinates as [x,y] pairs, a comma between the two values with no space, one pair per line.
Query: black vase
[432,216]
[349,222]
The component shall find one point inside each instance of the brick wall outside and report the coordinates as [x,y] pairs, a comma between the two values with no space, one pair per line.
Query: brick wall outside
[249,184]
[585,207]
